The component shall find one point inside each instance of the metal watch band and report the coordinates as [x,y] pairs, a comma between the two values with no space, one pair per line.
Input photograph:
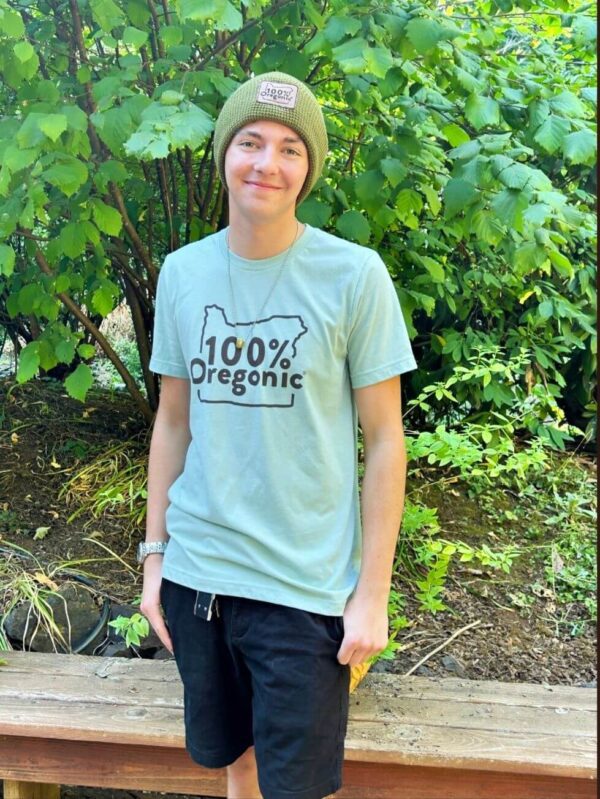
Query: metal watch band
[145,549]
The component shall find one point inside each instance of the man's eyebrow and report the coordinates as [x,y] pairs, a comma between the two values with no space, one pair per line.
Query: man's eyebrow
[255,135]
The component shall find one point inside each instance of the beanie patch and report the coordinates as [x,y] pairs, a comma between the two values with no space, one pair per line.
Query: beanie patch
[282,94]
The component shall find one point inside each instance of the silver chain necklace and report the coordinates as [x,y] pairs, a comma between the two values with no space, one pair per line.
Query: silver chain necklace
[239,341]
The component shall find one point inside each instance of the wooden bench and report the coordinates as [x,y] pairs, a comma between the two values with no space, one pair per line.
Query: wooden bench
[117,723]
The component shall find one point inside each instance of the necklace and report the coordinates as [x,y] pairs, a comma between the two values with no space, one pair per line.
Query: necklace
[239,341]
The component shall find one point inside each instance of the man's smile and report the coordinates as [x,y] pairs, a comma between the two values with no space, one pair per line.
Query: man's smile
[261,185]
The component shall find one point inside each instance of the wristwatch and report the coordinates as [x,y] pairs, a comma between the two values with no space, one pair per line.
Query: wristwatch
[144,549]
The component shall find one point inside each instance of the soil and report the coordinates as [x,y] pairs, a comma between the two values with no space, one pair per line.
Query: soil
[46,438]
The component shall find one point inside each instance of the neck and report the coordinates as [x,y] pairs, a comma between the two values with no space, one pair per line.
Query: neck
[263,240]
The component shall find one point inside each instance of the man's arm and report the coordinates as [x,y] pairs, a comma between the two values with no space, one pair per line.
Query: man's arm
[382,502]
[384,482]
[168,447]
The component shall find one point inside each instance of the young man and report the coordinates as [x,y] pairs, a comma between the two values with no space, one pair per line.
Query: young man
[274,339]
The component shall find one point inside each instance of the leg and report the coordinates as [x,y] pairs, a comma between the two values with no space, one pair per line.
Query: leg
[242,777]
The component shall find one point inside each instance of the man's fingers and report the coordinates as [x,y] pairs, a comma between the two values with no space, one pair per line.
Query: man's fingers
[160,628]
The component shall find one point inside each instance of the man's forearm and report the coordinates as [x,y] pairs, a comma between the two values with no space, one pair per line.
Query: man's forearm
[168,449]
[382,504]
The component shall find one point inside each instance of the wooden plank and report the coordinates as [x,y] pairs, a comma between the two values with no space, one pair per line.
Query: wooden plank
[384,685]
[388,742]
[30,790]
[368,704]
[107,765]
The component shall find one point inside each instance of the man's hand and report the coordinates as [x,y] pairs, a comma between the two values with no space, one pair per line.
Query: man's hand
[150,604]
[365,629]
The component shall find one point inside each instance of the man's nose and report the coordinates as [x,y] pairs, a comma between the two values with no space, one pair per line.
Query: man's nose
[266,158]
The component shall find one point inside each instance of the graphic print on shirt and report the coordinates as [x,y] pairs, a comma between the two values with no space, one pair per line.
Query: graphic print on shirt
[263,373]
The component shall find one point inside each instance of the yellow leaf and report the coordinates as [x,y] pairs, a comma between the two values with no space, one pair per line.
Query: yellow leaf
[357,673]
[54,463]
[42,578]
[14,438]
[526,294]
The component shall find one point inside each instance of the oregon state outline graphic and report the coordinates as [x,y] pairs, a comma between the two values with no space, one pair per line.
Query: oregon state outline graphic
[264,373]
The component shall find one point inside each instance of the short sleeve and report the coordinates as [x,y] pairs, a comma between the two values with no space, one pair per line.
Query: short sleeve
[378,342]
[167,356]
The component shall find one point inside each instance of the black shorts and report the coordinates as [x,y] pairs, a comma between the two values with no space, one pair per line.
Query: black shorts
[263,675]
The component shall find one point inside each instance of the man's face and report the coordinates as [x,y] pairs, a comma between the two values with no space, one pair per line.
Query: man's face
[266,164]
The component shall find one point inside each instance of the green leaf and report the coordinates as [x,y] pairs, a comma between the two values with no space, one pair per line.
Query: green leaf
[24,51]
[225,15]
[29,362]
[314,212]
[433,198]
[65,350]
[509,172]
[589,93]
[585,30]
[369,185]
[86,351]
[68,175]
[508,206]
[485,227]
[107,14]
[338,27]
[435,269]
[353,225]
[562,264]
[468,81]
[482,111]
[163,127]
[407,202]
[568,104]
[424,34]
[79,382]
[378,61]
[103,299]
[551,133]
[312,14]
[394,170]
[454,134]
[73,239]
[538,111]
[351,56]
[545,309]
[29,296]
[7,260]
[107,218]
[11,23]
[579,147]
[53,125]
[16,158]
[385,216]
[134,37]
[458,194]
[170,97]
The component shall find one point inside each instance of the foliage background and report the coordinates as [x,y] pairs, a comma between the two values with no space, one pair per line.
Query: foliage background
[462,148]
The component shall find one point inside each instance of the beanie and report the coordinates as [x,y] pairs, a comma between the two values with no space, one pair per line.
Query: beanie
[282,98]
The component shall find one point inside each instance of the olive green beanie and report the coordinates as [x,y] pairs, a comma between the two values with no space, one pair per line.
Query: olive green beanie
[281,98]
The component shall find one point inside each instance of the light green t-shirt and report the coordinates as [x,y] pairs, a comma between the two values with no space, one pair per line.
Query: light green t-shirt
[267,505]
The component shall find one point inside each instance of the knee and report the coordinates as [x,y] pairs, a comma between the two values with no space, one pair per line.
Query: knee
[245,763]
